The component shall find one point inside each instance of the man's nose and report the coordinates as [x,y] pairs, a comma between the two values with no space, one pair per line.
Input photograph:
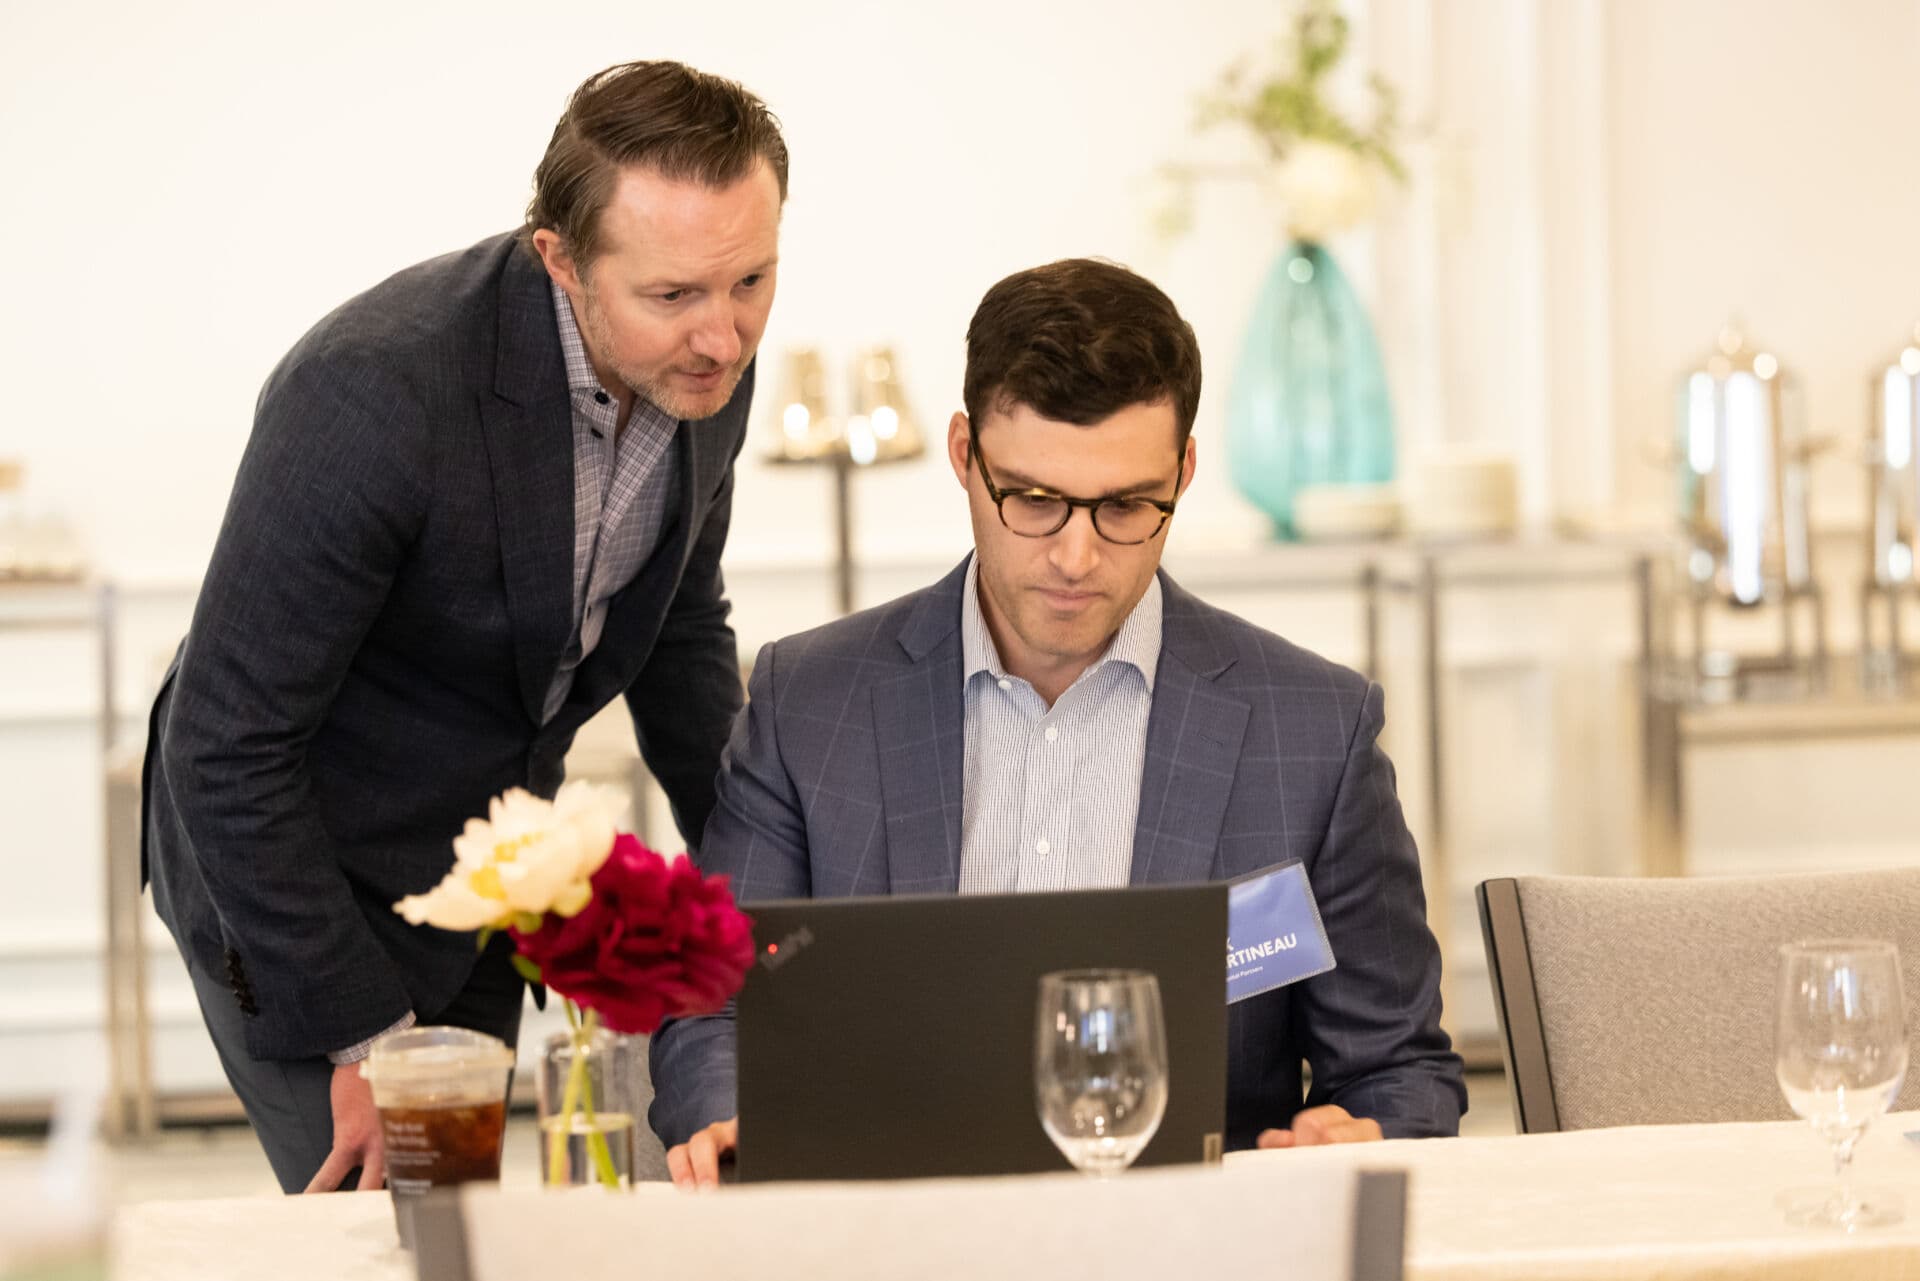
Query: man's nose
[716,337]
[1076,546]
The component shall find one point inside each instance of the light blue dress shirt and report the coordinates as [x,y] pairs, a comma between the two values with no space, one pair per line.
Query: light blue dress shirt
[1052,794]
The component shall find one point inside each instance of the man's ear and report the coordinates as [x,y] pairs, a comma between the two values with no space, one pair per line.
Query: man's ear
[558,259]
[1186,467]
[959,446]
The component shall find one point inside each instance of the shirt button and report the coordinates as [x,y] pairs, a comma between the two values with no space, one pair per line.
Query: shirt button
[601,397]
[1005,683]
[1042,847]
[1053,732]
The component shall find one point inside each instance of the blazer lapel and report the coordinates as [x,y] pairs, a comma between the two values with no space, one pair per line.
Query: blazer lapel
[1194,735]
[919,732]
[528,425]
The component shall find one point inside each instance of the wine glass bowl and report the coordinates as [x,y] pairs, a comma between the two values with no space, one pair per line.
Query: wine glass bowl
[1840,1054]
[1100,1065]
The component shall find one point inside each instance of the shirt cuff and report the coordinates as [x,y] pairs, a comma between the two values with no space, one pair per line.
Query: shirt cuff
[354,1053]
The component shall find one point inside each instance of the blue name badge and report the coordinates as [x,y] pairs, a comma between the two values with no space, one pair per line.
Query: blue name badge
[1274,934]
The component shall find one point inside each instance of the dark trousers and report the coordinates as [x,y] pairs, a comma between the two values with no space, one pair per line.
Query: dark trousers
[290,1102]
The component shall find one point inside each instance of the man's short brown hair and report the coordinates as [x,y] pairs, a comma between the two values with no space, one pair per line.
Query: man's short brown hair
[684,124]
[1077,341]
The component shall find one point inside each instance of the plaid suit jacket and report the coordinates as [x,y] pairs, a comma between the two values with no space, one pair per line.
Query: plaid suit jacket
[843,777]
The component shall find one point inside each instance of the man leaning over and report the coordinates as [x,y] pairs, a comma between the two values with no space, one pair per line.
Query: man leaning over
[480,501]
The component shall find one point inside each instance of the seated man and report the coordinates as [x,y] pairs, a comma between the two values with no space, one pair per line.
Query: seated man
[1057,714]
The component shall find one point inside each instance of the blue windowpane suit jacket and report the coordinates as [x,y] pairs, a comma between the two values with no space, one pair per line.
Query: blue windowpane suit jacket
[843,777]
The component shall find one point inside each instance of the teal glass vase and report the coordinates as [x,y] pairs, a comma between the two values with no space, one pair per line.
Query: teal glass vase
[1309,402]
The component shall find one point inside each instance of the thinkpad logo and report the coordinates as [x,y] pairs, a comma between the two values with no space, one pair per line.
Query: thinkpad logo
[775,955]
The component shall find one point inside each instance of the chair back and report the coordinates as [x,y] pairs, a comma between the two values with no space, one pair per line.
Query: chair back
[1261,1217]
[1652,1001]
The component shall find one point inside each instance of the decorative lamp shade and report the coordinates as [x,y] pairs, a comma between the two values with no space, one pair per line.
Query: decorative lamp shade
[1742,461]
[1894,464]
[804,431]
[881,428]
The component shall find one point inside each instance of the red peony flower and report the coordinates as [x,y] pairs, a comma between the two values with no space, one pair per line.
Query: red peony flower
[657,941]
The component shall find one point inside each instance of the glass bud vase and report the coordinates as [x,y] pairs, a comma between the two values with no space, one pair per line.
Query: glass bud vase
[1309,402]
[586,1107]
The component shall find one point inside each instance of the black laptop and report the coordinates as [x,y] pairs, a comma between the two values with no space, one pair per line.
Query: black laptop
[893,1037]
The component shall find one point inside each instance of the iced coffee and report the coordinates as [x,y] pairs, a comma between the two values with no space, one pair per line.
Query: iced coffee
[442,1096]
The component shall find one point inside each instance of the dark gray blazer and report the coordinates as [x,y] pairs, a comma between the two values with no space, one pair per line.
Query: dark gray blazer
[385,608]
[843,777]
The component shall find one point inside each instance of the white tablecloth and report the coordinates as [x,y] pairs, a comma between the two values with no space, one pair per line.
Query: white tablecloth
[1652,1202]
[1676,1201]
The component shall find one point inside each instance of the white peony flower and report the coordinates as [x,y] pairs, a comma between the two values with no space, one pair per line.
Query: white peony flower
[528,857]
[1323,188]
[453,905]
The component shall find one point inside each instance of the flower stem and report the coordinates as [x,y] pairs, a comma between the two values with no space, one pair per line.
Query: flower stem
[597,1149]
[577,1100]
[569,1101]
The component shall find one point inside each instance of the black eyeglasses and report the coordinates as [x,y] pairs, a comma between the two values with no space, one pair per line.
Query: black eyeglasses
[1037,513]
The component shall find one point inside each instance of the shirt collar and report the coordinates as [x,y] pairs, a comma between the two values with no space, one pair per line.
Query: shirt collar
[1136,643]
[580,375]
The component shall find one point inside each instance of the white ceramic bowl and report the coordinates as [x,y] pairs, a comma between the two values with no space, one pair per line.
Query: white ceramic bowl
[1324,513]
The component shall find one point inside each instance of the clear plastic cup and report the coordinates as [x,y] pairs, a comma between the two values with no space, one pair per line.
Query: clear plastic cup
[442,1096]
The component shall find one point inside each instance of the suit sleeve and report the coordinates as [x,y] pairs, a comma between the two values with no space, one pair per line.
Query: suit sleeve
[1372,1024]
[330,494]
[758,839]
[684,700]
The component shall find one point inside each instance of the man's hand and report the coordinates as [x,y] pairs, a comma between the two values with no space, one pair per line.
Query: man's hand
[696,1163]
[1322,1125]
[356,1135]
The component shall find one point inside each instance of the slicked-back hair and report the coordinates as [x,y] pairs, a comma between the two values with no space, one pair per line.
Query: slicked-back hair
[1077,341]
[684,124]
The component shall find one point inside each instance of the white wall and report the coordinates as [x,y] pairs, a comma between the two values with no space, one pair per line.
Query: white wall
[1598,185]
[195,183]
[1762,166]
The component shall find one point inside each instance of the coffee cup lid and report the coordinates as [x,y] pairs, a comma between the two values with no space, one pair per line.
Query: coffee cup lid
[421,1053]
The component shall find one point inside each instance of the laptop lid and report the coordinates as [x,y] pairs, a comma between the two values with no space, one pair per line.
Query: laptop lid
[893,1037]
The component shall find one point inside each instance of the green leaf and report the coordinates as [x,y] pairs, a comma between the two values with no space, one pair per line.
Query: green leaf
[483,938]
[1284,105]
[527,969]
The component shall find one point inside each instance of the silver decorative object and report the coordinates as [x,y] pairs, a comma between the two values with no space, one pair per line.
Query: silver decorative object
[1893,504]
[1743,453]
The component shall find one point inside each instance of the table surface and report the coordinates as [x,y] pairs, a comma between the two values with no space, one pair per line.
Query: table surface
[1694,1201]
[1640,1201]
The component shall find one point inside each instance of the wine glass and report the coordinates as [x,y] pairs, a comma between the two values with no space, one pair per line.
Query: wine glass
[1100,1065]
[1840,1052]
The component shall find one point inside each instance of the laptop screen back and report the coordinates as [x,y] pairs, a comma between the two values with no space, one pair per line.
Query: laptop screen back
[893,1037]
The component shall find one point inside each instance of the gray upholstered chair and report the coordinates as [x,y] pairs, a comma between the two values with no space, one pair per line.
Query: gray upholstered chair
[1645,1002]
[1306,1220]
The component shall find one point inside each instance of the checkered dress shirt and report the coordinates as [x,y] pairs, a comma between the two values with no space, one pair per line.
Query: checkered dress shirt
[623,492]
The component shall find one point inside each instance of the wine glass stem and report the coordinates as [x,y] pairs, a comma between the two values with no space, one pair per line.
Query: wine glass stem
[1843,1172]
